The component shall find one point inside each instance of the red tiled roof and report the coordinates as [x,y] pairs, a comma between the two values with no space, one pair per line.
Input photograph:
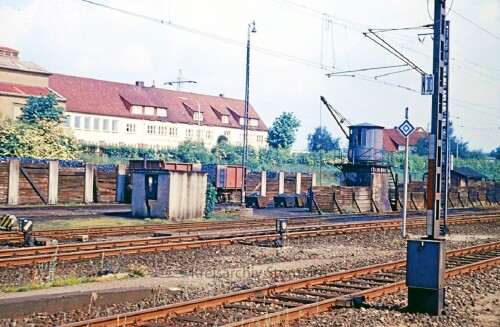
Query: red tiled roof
[8,49]
[393,138]
[97,97]
[24,90]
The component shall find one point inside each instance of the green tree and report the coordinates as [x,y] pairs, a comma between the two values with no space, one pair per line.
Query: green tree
[422,147]
[226,153]
[495,153]
[46,139]
[193,152]
[42,109]
[321,139]
[222,138]
[281,135]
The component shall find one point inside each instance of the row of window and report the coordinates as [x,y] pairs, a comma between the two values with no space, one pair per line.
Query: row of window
[96,124]
[199,134]
[111,125]
[198,116]
[150,111]
[251,122]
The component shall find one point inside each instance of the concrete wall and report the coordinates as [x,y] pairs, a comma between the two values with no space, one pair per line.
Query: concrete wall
[380,191]
[181,195]
[187,195]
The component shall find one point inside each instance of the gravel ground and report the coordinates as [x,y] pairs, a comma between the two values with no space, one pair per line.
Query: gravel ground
[216,270]
[472,300]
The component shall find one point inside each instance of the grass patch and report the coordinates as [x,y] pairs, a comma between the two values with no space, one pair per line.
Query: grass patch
[92,222]
[63,282]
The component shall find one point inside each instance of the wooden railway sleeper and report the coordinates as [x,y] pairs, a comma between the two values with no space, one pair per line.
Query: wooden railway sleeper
[304,300]
[277,302]
[317,294]
[377,279]
[333,289]
[367,281]
[355,286]
[249,308]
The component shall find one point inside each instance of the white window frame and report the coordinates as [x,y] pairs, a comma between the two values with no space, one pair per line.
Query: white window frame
[86,123]
[173,131]
[97,124]
[225,119]
[114,125]
[130,128]
[137,110]
[198,116]
[67,122]
[105,125]
[78,122]
[151,129]
[161,112]
[149,111]
[254,122]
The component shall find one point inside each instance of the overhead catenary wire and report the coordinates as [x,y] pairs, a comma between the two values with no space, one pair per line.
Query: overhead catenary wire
[384,44]
[359,27]
[263,50]
[241,44]
[364,69]
[471,22]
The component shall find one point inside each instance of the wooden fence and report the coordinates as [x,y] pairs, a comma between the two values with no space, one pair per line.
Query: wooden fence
[343,199]
[28,183]
[48,183]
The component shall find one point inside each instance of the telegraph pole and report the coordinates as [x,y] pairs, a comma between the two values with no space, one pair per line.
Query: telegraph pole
[426,257]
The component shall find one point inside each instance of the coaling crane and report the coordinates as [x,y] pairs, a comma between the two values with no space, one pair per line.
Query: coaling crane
[343,122]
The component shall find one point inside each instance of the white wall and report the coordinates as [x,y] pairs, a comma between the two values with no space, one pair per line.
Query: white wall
[166,135]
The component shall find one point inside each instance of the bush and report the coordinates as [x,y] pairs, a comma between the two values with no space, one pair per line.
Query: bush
[211,199]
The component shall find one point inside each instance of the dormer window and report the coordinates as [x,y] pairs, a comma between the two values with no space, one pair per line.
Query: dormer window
[254,122]
[225,119]
[137,110]
[198,116]
[161,112]
[149,110]
[242,121]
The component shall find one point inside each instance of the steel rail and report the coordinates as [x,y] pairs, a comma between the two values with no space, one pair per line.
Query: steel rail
[285,316]
[175,243]
[173,239]
[16,236]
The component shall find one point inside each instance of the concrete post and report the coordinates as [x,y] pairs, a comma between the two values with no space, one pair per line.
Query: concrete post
[120,183]
[281,182]
[298,182]
[313,179]
[263,183]
[89,183]
[197,167]
[53,182]
[13,195]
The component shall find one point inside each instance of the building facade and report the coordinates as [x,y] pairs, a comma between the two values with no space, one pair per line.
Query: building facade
[394,141]
[20,80]
[110,113]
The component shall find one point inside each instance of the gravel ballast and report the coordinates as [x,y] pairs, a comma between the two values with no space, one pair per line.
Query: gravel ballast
[210,271]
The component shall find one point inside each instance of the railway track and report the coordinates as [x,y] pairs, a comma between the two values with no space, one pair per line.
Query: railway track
[279,304]
[82,251]
[188,227]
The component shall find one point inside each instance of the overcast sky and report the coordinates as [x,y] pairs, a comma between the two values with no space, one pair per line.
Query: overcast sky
[297,43]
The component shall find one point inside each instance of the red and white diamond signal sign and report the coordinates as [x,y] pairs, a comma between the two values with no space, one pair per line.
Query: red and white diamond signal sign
[406,128]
